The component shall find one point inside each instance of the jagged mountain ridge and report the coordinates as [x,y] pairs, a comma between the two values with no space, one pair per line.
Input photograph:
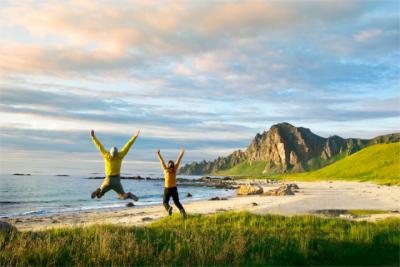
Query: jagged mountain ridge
[286,148]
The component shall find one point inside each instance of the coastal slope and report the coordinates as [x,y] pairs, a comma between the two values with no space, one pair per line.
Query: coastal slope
[379,163]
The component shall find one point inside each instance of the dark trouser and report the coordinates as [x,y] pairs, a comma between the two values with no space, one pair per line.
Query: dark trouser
[172,192]
[113,182]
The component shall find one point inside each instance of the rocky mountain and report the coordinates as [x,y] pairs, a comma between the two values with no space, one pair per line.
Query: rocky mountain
[286,148]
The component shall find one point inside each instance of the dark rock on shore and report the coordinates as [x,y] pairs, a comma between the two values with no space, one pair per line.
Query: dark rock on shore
[218,198]
[130,204]
[62,175]
[224,183]
[22,174]
[188,195]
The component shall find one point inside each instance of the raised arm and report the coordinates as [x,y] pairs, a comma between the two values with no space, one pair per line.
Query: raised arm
[160,158]
[178,161]
[128,145]
[98,144]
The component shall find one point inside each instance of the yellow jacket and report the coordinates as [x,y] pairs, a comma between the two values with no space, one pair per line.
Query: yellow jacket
[170,177]
[113,165]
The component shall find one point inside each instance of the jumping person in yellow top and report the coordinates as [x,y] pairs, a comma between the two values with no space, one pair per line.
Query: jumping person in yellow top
[113,161]
[170,189]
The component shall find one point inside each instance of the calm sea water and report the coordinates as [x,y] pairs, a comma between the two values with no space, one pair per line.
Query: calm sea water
[41,194]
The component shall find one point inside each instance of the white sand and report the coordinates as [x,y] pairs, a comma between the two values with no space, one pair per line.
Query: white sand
[310,197]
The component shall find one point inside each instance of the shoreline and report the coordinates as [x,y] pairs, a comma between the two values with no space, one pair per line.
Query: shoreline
[311,198]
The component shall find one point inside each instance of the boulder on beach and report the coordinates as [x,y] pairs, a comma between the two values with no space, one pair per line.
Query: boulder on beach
[245,190]
[130,204]
[188,195]
[293,186]
[284,190]
[7,227]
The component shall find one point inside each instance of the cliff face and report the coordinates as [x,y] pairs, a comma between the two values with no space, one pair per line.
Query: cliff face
[286,148]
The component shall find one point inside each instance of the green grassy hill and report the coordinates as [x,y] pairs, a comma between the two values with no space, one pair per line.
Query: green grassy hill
[228,239]
[245,168]
[378,163]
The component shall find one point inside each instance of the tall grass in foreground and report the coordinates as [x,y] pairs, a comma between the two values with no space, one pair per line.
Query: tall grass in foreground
[220,239]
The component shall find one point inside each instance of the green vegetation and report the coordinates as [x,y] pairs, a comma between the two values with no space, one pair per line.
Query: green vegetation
[220,239]
[318,162]
[378,163]
[245,168]
[367,212]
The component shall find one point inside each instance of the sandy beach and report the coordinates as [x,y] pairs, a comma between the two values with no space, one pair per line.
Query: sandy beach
[309,199]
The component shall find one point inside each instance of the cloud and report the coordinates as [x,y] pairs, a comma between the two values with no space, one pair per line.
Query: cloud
[207,74]
[99,37]
[366,35]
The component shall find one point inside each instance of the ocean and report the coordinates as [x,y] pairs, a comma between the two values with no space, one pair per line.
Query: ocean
[43,194]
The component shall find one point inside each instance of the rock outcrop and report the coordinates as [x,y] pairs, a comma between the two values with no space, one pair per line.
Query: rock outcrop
[246,190]
[284,190]
[286,148]
[221,163]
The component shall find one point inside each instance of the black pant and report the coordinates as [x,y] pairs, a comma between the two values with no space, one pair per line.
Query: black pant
[171,192]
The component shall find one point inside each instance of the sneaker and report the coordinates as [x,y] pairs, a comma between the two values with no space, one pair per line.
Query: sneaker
[170,211]
[133,197]
[95,193]
[183,213]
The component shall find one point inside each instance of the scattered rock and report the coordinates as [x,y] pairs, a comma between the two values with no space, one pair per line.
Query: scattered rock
[130,204]
[55,221]
[293,186]
[7,227]
[218,198]
[284,190]
[220,210]
[18,220]
[22,174]
[146,219]
[227,178]
[254,204]
[188,195]
[246,190]
[62,175]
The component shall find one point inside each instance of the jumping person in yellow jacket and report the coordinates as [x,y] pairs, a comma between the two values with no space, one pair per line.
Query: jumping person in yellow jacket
[113,161]
[170,189]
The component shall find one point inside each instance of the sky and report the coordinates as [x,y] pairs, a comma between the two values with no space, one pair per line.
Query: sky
[204,75]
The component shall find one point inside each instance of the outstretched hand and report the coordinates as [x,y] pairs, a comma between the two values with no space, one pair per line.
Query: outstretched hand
[182,150]
[92,133]
[158,151]
[137,134]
